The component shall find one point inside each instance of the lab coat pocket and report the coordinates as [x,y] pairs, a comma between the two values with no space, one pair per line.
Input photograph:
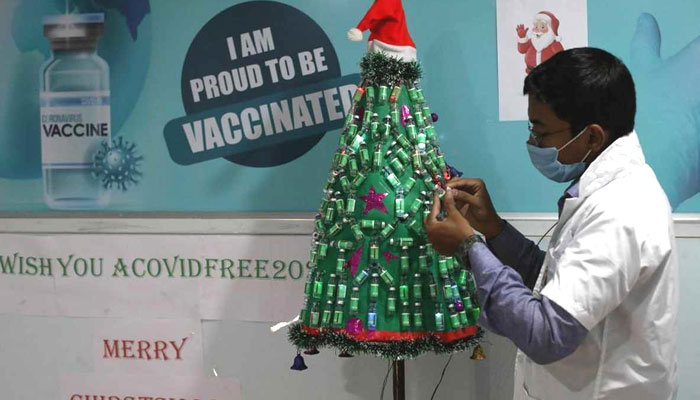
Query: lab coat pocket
[531,381]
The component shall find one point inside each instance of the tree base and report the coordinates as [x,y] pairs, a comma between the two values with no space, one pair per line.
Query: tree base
[303,338]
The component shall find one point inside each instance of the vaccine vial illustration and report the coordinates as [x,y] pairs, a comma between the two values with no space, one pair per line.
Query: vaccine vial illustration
[75,111]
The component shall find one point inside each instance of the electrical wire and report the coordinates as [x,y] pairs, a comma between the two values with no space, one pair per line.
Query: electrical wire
[545,234]
[444,369]
[386,378]
[442,375]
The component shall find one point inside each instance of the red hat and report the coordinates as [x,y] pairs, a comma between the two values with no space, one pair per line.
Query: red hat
[389,34]
[551,20]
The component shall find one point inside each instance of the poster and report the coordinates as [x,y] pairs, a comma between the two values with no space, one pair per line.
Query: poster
[211,277]
[147,346]
[170,74]
[135,387]
[529,33]
[255,85]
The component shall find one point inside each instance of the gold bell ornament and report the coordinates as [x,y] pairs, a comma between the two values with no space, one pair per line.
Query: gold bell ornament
[478,354]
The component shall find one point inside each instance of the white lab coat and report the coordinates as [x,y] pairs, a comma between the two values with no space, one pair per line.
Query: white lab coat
[611,264]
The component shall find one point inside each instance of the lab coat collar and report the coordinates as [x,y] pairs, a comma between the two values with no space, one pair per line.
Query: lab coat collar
[614,162]
[618,160]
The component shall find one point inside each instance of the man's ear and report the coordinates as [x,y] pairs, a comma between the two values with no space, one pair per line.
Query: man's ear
[598,138]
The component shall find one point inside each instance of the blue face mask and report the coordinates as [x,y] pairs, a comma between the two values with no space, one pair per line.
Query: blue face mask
[545,159]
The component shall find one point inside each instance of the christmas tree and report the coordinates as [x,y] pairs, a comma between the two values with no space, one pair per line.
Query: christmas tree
[376,286]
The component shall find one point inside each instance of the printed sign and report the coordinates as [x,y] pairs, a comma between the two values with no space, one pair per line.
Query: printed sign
[261,85]
[245,277]
[529,33]
[148,346]
[141,387]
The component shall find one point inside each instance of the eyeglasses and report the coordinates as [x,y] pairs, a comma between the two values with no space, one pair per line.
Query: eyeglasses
[536,136]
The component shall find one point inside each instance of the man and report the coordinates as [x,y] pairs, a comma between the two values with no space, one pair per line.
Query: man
[594,316]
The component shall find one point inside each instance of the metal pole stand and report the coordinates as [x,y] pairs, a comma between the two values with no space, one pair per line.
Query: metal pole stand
[399,380]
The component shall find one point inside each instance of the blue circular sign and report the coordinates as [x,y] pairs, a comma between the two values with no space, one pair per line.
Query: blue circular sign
[252,50]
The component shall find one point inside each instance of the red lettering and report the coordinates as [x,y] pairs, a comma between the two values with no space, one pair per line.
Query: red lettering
[110,352]
[178,349]
[126,347]
[142,350]
[160,348]
[76,397]
[143,347]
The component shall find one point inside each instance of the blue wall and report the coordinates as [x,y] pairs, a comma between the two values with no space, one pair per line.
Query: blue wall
[456,41]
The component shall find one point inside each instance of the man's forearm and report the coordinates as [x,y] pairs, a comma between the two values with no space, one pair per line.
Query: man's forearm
[538,326]
[519,252]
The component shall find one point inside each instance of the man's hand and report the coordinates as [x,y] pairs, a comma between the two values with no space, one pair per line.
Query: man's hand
[522,30]
[474,202]
[446,235]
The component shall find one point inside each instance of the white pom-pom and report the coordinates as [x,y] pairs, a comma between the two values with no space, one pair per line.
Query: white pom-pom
[355,34]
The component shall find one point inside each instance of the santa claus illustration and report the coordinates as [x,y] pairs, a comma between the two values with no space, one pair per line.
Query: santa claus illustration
[542,42]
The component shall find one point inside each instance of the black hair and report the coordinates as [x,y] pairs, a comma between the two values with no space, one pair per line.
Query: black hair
[586,86]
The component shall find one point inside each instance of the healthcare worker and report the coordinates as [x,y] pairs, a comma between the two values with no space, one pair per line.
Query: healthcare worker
[593,317]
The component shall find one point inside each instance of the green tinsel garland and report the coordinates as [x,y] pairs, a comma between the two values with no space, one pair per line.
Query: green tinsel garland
[397,350]
[379,69]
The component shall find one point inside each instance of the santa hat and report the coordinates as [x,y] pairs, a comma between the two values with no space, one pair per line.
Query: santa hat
[551,20]
[389,34]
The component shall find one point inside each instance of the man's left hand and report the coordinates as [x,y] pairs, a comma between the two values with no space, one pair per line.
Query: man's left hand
[446,235]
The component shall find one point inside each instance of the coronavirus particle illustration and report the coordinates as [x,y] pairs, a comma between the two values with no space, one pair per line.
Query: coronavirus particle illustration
[117,164]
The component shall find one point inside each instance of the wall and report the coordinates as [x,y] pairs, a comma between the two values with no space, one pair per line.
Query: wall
[456,44]
[457,48]
[35,351]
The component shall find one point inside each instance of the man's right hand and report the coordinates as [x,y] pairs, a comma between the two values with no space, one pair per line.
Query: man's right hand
[475,204]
